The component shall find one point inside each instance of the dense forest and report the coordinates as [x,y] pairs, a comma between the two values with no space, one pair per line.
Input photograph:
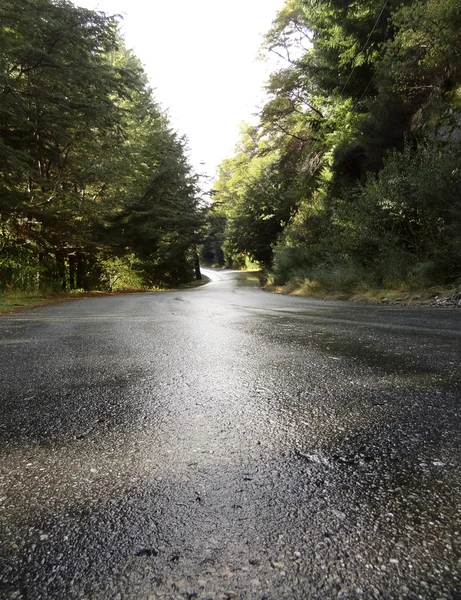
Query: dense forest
[352,176]
[95,186]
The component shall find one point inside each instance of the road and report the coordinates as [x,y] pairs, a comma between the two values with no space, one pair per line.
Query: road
[224,442]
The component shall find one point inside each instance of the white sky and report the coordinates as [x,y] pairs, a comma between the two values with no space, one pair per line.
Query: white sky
[200,57]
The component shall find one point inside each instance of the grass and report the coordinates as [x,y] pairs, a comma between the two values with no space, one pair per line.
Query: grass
[14,301]
[17,301]
[250,278]
[405,294]
[192,284]
[399,295]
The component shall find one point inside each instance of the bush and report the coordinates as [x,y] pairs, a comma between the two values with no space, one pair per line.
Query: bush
[404,224]
[290,264]
[413,206]
[401,227]
[23,268]
[119,274]
[341,277]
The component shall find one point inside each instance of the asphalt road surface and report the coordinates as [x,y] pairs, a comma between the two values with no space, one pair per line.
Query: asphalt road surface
[224,442]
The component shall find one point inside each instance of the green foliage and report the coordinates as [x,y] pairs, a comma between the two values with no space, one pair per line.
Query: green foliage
[120,273]
[163,225]
[412,209]
[400,226]
[88,163]
[363,130]
[291,264]
[211,252]
[255,193]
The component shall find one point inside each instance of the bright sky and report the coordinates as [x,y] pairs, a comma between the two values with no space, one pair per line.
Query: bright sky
[200,56]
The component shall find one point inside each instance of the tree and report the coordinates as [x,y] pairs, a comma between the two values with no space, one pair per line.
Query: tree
[364,88]
[255,195]
[81,139]
[162,226]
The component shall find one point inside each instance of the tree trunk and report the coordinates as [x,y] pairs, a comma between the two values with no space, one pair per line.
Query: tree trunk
[198,274]
[60,268]
[72,270]
[81,270]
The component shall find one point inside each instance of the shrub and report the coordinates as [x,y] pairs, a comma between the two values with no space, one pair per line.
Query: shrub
[291,263]
[413,206]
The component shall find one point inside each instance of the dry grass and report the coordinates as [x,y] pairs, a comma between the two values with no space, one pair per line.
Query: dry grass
[398,295]
[17,301]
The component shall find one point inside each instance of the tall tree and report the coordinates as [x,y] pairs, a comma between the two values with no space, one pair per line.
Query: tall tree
[364,88]
[81,138]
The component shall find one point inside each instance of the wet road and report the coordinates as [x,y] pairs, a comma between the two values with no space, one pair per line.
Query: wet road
[224,442]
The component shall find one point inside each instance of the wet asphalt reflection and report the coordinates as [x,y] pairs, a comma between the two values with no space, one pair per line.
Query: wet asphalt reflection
[224,443]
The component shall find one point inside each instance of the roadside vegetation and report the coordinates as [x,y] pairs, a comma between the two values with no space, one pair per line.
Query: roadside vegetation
[350,184]
[16,301]
[96,192]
